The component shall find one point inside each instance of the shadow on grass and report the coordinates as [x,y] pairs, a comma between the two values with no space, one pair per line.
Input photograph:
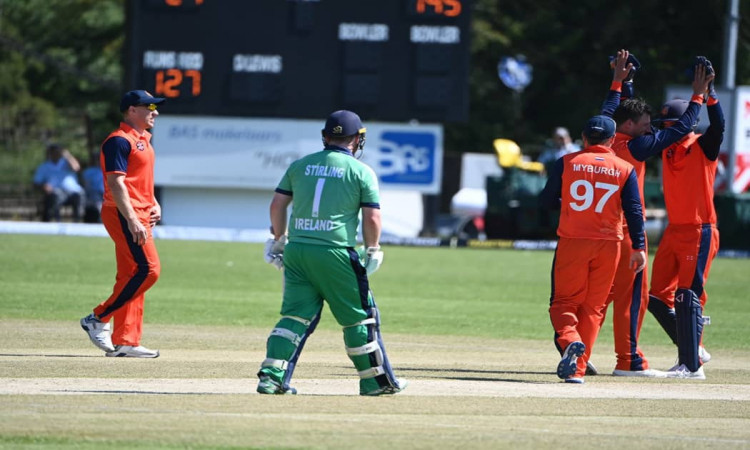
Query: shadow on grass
[37,355]
[505,372]
[133,392]
[494,380]
[454,374]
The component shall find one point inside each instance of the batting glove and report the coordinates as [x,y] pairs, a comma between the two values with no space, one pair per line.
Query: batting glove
[631,60]
[373,259]
[273,252]
[710,70]
[703,61]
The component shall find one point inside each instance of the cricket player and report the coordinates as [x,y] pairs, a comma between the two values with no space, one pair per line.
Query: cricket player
[592,188]
[129,212]
[328,189]
[691,239]
[636,141]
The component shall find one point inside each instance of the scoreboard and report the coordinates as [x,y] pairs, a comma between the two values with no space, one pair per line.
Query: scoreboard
[388,60]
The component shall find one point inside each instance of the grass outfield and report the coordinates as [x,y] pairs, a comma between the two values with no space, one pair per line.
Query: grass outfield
[468,327]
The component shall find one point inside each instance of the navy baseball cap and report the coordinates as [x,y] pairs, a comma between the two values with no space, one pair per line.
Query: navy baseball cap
[343,123]
[599,128]
[140,97]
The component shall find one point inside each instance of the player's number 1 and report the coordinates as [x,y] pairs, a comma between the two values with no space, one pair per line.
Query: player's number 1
[586,198]
[318,195]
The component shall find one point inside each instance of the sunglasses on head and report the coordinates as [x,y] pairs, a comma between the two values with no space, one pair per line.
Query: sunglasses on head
[150,106]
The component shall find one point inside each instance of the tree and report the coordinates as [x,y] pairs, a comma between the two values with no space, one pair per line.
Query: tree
[567,44]
[60,72]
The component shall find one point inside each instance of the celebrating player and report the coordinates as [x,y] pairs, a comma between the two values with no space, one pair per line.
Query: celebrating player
[592,187]
[691,239]
[329,188]
[635,141]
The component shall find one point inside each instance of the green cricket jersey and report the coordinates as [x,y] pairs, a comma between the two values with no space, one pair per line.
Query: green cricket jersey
[328,188]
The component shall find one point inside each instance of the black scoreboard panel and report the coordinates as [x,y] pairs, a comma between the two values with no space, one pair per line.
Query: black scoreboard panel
[389,60]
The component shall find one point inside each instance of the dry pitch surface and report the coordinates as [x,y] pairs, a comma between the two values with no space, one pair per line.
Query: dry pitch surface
[57,390]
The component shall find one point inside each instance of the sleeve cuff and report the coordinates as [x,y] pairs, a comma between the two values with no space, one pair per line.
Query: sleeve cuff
[697,98]
[712,101]
[616,86]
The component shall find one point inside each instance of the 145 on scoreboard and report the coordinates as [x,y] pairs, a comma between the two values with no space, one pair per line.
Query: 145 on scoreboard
[389,60]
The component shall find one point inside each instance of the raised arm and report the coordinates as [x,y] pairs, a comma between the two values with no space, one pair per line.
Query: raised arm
[711,140]
[621,69]
[75,166]
[651,144]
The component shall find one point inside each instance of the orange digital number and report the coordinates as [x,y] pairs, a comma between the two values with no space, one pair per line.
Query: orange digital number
[194,75]
[448,8]
[453,8]
[179,2]
[168,82]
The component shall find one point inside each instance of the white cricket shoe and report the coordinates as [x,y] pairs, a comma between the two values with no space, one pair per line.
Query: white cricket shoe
[99,332]
[703,354]
[648,373]
[591,369]
[129,351]
[683,372]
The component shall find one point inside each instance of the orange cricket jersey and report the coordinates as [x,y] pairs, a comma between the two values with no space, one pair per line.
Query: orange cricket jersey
[136,162]
[688,178]
[620,147]
[591,204]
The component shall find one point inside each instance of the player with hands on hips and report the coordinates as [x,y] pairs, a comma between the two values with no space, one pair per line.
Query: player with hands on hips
[329,188]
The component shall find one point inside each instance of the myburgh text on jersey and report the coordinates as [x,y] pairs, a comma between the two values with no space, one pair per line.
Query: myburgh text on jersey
[590,168]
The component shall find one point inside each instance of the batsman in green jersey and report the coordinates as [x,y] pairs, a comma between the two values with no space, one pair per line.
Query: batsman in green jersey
[327,190]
